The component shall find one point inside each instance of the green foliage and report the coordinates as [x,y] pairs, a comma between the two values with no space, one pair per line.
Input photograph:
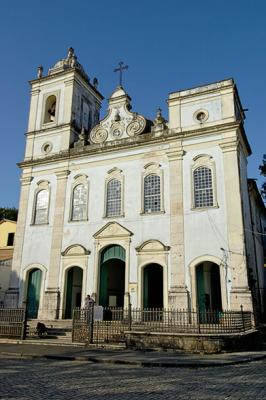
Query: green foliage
[262,168]
[8,213]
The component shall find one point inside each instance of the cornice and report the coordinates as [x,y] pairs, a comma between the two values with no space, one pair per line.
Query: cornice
[229,145]
[75,72]
[175,153]
[144,139]
[26,180]
[54,127]
[62,174]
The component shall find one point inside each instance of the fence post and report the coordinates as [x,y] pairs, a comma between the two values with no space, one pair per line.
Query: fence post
[91,321]
[243,319]
[24,321]
[129,316]
[198,319]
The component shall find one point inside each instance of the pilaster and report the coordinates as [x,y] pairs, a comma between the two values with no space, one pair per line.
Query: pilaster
[178,293]
[240,292]
[12,295]
[57,236]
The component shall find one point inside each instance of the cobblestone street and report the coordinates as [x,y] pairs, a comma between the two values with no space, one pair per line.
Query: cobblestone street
[48,379]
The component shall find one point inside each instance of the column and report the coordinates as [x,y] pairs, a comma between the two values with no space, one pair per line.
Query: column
[52,295]
[12,295]
[178,295]
[240,293]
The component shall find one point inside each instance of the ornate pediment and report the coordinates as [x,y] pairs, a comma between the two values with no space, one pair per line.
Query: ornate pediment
[120,122]
[112,229]
[152,246]
[75,250]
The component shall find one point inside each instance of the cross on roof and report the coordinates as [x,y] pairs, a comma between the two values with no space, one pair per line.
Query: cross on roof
[121,68]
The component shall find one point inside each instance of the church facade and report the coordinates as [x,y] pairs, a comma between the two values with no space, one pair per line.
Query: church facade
[128,209]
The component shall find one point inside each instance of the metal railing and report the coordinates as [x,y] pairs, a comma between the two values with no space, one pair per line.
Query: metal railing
[116,321]
[13,322]
[190,321]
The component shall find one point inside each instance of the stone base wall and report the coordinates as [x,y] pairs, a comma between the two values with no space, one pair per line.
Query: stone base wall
[193,343]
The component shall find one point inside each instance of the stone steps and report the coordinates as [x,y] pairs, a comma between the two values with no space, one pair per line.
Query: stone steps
[57,330]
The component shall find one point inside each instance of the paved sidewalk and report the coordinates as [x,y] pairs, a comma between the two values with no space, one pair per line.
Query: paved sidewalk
[128,357]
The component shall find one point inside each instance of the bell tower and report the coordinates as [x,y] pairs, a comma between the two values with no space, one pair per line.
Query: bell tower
[63,103]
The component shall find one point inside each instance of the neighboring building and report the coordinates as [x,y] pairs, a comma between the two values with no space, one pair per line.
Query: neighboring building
[7,236]
[125,208]
[256,251]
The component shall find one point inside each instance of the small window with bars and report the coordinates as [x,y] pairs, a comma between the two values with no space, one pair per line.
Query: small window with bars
[152,193]
[41,207]
[113,198]
[203,190]
[79,203]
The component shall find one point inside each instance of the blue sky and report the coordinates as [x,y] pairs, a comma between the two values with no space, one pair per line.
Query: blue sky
[169,45]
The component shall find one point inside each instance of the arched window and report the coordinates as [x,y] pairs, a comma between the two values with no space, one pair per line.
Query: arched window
[79,203]
[113,198]
[50,109]
[203,188]
[152,193]
[41,207]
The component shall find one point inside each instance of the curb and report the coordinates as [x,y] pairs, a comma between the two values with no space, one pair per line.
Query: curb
[149,364]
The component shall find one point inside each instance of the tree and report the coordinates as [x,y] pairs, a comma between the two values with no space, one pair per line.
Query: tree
[8,213]
[262,168]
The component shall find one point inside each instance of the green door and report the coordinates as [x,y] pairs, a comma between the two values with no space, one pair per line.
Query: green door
[112,276]
[146,288]
[68,310]
[200,287]
[153,286]
[103,300]
[33,294]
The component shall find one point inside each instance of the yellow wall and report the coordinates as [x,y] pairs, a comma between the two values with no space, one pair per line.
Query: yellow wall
[6,227]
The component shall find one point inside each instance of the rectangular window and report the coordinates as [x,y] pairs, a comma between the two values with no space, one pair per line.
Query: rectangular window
[10,239]
[203,191]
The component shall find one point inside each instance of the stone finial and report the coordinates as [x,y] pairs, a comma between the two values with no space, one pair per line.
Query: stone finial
[95,82]
[159,118]
[73,62]
[159,123]
[82,134]
[82,139]
[70,52]
[39,72]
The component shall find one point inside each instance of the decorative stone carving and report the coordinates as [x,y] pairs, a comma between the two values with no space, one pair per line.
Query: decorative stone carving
[117,129]
[112,229]
[137,125]
[98,134]
[120,123]
[152,246]
[75,250]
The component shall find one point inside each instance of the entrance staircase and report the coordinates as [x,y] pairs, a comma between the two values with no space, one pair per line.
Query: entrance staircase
[59,332]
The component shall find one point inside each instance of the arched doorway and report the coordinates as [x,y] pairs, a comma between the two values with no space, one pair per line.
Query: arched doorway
[208,286]
[33,292]
[153,286]
[112,276]
[74,277]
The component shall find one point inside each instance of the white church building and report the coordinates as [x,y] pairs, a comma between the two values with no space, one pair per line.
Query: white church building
[128,209]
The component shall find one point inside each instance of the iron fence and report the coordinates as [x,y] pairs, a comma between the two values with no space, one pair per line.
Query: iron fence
[114,322]
[13,322]
[82,325]
[190,321]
